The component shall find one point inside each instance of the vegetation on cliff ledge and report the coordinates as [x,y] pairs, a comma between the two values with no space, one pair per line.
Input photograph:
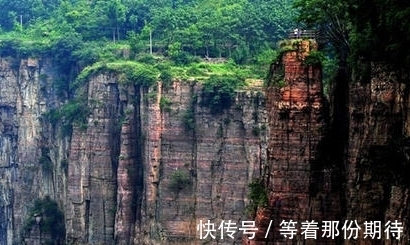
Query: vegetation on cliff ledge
[258,196]
[218,92]
[46,217]
[195,38]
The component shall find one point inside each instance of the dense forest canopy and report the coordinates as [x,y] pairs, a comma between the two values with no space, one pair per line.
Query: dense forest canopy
[79,33]
[365,30]
[213,28]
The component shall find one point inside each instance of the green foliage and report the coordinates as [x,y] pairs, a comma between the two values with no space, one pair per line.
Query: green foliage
[219,92]
[258,195]
[52,220]
[165,104]
[75,111]
[179,56]
[63,50]
[89,53]
[218,28]
[265,57]
[195,71]
[18,46]
[262,61]
[370,31]
[330,18]
[329,70]
[136,42]
[241,54]
[77,34]
[315,58]
[179,180]
[276,76]
[130,72]
[165,76]
[146,59]
[188,119]
[379,32]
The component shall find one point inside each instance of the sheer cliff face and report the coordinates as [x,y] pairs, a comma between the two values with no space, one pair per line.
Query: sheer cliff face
[307,179]
[143,168]
[378,153]
[24,97]
[298,183]
[146,164]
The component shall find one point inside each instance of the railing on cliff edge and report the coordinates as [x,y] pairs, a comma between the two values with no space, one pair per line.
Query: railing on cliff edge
[308,34]
[303,34]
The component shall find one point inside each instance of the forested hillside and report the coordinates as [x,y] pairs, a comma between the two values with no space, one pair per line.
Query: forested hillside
[240,30]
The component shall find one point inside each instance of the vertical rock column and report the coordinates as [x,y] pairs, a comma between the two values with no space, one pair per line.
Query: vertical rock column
[295,111]
[24,97]
[150,127]
[127,173]
[91,194]
[377,163]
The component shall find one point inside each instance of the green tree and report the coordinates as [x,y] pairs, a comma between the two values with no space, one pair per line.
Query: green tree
[331,18]
[51,223]
[23,12]
[219,92]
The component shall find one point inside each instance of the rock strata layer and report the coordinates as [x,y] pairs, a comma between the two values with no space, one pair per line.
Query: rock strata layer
[116,174]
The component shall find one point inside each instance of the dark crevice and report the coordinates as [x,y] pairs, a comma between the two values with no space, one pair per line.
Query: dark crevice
[139,151]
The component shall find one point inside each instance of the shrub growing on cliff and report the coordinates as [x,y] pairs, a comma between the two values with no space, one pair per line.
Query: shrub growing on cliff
[165,104]
[130,72]
[52,221]
[179,180]
[257,195]
[218,92]
[314,58]
[75,111]
[165,76]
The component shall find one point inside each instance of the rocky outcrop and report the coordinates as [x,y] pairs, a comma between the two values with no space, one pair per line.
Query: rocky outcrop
[219,154]
[379,150]
[298,186]
[25,94]
[144,165]
[116,174]
[352,167]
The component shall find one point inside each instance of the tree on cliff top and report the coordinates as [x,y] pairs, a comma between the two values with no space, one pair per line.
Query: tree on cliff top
[370,30]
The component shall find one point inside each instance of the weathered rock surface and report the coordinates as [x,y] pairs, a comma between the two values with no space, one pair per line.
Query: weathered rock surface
[112,175]
[298,188]
[24,97]
[308,180]
[378,152]
[145,165]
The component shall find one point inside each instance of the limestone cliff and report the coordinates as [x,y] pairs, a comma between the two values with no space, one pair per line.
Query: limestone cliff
[117,173]
[378,159]
[130,164]
[28,144]
[344,164]
[297,182]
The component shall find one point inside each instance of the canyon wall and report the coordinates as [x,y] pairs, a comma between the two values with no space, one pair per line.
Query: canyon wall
[143,166]
[378,154]
[345,162]
[297,179]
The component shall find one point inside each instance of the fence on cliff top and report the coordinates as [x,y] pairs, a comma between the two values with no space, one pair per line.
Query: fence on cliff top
[303,34]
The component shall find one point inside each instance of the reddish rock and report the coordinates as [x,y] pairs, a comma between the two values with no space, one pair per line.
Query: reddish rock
[296,122]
